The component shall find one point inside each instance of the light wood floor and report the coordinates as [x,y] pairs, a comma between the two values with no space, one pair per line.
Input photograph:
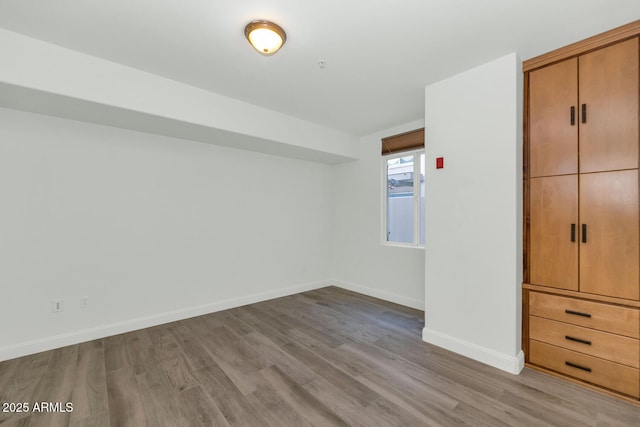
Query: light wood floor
[326,357]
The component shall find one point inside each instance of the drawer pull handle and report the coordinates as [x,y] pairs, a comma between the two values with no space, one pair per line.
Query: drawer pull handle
[577,313]
[567,337]
[573,365]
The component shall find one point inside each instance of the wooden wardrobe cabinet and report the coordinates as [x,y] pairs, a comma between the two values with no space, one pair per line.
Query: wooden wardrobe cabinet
[581,290]
[586,240]
[587,105]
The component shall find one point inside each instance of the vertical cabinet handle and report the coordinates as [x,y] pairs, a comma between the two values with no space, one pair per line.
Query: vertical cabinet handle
[573,115]
[573,233]
[584,233]
[584,113]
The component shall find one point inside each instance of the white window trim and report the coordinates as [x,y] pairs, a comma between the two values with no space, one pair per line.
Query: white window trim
[416,200]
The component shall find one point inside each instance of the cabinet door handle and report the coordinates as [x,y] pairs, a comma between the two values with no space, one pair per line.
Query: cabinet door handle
[584,233]
[577,313]
[573,365]
[581,341]
[584,113]
[573,115]
[573,233]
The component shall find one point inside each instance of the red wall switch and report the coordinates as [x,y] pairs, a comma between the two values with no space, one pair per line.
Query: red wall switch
[439,162]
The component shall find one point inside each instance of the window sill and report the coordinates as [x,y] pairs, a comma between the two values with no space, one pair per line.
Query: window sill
[402,245]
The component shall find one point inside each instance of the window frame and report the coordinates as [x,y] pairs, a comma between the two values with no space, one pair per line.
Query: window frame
[417,223]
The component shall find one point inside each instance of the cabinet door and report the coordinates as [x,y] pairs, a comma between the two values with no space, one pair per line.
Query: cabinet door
[553,139]
[609,92]
[553,211]
[609,257]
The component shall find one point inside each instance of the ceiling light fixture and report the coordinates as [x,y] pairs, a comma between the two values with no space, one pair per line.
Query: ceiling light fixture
[265,36]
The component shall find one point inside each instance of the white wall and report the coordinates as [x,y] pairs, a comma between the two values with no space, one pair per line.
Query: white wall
[44,78]
[360,261]
[149,228]
[473,213]
[152,228]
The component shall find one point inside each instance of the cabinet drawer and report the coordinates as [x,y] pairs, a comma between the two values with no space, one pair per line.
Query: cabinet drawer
[590,314]
[616,348]
[588,368]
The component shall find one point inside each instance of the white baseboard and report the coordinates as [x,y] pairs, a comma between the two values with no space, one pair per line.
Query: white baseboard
[376,293]
[83,335]
[484,355]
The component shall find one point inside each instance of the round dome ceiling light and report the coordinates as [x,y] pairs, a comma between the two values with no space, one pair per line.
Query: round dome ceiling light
[265,36]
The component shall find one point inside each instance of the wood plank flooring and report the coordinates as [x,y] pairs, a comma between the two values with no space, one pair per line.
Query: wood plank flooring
[328,357]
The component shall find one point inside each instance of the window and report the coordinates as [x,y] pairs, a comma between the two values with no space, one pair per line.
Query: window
[404,198]
[403,201]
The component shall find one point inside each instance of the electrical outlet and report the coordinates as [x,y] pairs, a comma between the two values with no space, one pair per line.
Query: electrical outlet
[56,306]
[84,302]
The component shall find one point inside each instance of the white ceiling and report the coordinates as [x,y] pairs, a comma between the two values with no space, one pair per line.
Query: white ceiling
[380,54]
